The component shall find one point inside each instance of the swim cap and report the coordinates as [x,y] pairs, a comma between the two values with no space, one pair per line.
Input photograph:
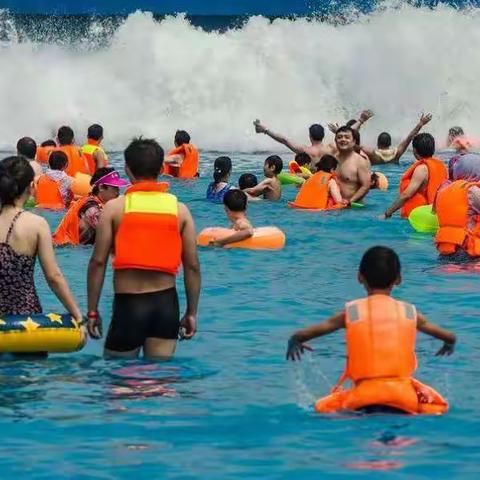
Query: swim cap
[382,181]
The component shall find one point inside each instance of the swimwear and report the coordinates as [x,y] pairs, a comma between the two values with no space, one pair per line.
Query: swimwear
[18,295]
[89,216]
[216,196]
[138,316]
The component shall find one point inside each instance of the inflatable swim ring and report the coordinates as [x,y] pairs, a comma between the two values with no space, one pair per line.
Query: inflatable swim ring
[423,220]
[81,184]
[264,238]
[40,333]
[290,179]
[30,203]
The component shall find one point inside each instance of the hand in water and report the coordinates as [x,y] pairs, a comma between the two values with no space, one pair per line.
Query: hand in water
[425,118]
[259,128]
[94,326]
[447,349]
[296,349]
[188,326]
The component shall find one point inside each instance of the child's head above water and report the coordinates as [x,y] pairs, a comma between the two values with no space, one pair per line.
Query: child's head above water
[302,158]
[247,180]
[379,269]
[58,160]
[235,201]
[273,166]
[222,169]
[328,163]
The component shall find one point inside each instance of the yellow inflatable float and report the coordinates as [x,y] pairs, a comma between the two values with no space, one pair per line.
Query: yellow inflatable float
[81,184]
[264,238]
[40,333]
[423,220]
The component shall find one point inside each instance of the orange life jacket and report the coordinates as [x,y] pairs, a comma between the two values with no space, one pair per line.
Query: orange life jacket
[43,153]
[294,167]
[88,151]
[47,194]
[68,232]
[149,235]
[437,174]
[189,167]
[380,336]
[314,193]
[76,162]
[455,231]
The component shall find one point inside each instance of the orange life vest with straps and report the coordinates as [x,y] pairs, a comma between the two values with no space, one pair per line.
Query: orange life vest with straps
[456,230]
[314,193]
[76,162]
[380,336]
[88,151]
[189,166]
[437,174]
[68,232]
[149,234]
[47,194]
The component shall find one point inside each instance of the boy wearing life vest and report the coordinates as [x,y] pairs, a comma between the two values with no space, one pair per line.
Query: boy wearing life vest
[54,187]
[270,188]
[92,151]
[44,150]
[420,183]
[66,144]
[300,166]
[380,338]
[79,225]
[321,191]
[183,160]
[151,234]
[235,202]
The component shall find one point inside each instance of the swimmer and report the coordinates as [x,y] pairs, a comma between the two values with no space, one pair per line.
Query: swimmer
[92,151]
[235,202]
[353,172]
[270,188]
[222,169]
[420,183]
[79,225]
[379,328]
[183,160]
[152,235]
[385,153]
[316,150]
[301,160]
[27,147]
[246,181]
[77,163]
[24,237]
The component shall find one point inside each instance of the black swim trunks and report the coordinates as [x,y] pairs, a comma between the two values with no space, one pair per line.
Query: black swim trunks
[138,316]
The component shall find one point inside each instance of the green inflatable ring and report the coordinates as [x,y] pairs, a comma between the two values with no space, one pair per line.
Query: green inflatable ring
[30,203]
[290,179]
[423,220]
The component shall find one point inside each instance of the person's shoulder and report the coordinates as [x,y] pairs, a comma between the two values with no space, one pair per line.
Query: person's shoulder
[32,221]
[114,206]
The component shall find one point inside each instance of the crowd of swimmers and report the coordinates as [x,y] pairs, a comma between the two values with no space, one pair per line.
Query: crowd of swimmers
[146,313]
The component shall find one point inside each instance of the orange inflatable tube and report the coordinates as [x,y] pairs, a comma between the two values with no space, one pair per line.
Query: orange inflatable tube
[264,238]
[81,184]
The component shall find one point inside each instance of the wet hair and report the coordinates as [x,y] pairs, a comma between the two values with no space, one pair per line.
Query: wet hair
[57,160]
[317,132]
[380,266]
[95,132]
[27,147]
[48,143]
[65,135]
[16,174]
[424,145]
[221,168]
[276,162]
[384,140]
[247,180]
[303,158]
[181,137]
[144,158]
[351,122]
[99,173]
[327,163]
[345,128]
[235,200]
[456,132]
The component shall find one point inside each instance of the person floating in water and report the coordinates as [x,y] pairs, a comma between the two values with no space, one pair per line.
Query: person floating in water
[182,161]
[380,338]
[222,169]
[420,183]
[270,188]
[235,202]
[151,234]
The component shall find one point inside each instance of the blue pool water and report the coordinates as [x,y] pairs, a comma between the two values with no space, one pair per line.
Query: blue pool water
[229,405]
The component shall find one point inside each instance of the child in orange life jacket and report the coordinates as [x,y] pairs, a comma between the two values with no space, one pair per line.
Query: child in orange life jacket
[328,164]
[385,334]
[248,180]
[235,202]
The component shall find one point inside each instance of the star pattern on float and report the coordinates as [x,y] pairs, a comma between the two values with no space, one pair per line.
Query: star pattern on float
[29,324]
[55,318]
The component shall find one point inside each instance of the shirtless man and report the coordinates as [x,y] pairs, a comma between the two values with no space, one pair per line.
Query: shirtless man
[316,150]
[270,188]
[353,171]
[151,234]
